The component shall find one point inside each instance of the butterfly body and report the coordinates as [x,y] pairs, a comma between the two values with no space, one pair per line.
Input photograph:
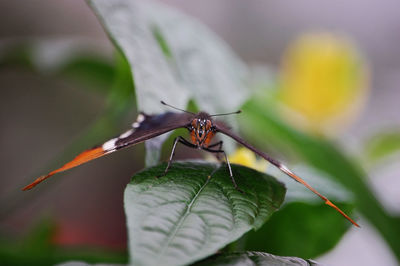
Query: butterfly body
[202,129]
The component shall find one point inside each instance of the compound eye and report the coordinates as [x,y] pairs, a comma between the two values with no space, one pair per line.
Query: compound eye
[193,125]
[208,125]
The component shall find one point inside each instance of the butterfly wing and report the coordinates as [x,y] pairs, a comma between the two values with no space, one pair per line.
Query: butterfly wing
[145,127]
[221,127]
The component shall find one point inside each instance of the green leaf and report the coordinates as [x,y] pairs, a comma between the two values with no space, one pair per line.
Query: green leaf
[254,259]
[265,128]
[186,216]
[382,145]
[130,25]
[205,64]
[300,229]
[173,56]
[306,237]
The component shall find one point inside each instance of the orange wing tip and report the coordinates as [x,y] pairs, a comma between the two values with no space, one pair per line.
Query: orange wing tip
[81,158]
[34,183]
[328,202]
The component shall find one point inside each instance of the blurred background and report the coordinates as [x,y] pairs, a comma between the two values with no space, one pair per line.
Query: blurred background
[49,112]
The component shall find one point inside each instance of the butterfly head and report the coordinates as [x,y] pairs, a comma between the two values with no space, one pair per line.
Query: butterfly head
[201,130]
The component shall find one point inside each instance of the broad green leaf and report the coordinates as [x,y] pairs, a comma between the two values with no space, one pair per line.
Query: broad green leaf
[205,64]
[186,216]
[130,25]
[300,229]
[264,127]
[173,56]
[254,259]
[382,145]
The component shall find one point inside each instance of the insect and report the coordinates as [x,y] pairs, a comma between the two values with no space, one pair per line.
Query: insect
[202,129]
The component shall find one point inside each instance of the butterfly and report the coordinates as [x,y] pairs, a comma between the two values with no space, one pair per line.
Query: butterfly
[202,129]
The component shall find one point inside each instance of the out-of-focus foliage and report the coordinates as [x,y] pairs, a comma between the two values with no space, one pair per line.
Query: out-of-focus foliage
[300,222]
[96,73]
[304,226]
[324,81]
[263,122]
[382,145]
[73,62]
[37,248]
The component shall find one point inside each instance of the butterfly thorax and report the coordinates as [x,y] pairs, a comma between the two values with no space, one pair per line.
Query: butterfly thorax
[201,130]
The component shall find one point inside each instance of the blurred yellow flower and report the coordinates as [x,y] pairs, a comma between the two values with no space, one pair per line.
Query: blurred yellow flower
[324,80]
[247,158]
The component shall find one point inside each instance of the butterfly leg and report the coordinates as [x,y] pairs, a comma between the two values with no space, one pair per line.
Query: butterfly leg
[227,163]
[180,140]
[217,154]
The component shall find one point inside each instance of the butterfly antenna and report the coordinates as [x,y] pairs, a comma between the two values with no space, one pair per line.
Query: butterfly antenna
[164,103]
[232,113]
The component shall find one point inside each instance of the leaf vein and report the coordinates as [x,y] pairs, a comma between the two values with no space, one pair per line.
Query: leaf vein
[181,220]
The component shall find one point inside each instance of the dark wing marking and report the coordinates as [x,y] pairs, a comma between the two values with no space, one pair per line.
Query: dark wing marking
[146,127]
[220,127]
[150,126]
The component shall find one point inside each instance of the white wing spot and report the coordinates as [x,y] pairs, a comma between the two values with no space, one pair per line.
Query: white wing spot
[140,118]
[109,145]
[126,134]
[285,169]
[135,125]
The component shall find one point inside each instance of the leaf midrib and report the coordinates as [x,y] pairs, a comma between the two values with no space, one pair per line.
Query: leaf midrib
[181,220]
